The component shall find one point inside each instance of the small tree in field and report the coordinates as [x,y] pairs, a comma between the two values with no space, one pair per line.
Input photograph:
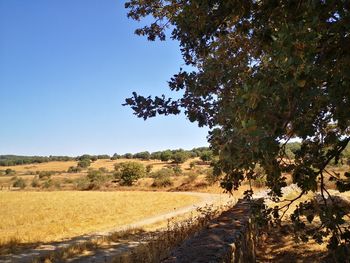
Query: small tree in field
[166,156]
[180,156]
[129,172]
[85,163]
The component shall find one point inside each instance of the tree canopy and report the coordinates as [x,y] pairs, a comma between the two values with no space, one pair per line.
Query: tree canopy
[259,73]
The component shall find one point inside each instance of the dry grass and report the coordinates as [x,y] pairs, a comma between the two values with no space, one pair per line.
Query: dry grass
[138,245]
[29,217]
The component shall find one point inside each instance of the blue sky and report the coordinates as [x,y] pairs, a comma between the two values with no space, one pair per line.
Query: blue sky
[65,69]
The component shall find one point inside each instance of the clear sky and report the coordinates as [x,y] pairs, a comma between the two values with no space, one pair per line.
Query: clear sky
[66,67]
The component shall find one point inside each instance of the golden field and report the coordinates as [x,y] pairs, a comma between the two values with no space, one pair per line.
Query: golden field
[29,217]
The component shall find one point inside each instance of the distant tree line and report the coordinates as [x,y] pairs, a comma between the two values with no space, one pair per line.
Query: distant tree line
[176,156]
[10,160]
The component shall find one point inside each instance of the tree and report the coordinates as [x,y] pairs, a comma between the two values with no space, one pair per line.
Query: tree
[156,155]
[130,172]
[206,156]
[166,156]
[128,156]
[84,163]
[142,155]
[261,73]
[180,156]
[115,156]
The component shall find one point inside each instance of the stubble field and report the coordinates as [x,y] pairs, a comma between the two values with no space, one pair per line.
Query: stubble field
[29,217]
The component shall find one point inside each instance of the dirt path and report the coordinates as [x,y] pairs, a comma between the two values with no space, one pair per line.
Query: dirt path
[45,249]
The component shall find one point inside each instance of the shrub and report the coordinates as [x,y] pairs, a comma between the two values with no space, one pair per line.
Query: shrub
[35,182]
[19,182]
[45,174]
[130,172]
[48,183]
[95,175]
[177,169]
[96,178]
[74,169]
[10,171]
[163,172]
[149,168]
[162,180]
[82,184]
[206,156]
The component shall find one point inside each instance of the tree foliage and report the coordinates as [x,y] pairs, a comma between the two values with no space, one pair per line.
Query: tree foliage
[261,73]
[129,172]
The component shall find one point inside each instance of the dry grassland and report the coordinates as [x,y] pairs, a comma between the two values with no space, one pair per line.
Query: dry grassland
[29,217]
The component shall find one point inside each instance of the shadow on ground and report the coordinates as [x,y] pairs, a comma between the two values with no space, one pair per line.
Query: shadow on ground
[278,246]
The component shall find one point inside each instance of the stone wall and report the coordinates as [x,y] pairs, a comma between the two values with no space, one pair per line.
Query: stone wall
[229,238]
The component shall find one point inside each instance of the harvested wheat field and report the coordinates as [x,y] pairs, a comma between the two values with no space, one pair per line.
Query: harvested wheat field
[29,217]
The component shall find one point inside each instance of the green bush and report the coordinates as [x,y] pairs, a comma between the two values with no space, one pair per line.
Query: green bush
[10,171]
[95,175]
[142,155]
[84,163]
[82,184]
[129,172]
[74,169]
[162,180]
[206,156]
[166,155]
[19,182]
[96,178]
[163,172]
